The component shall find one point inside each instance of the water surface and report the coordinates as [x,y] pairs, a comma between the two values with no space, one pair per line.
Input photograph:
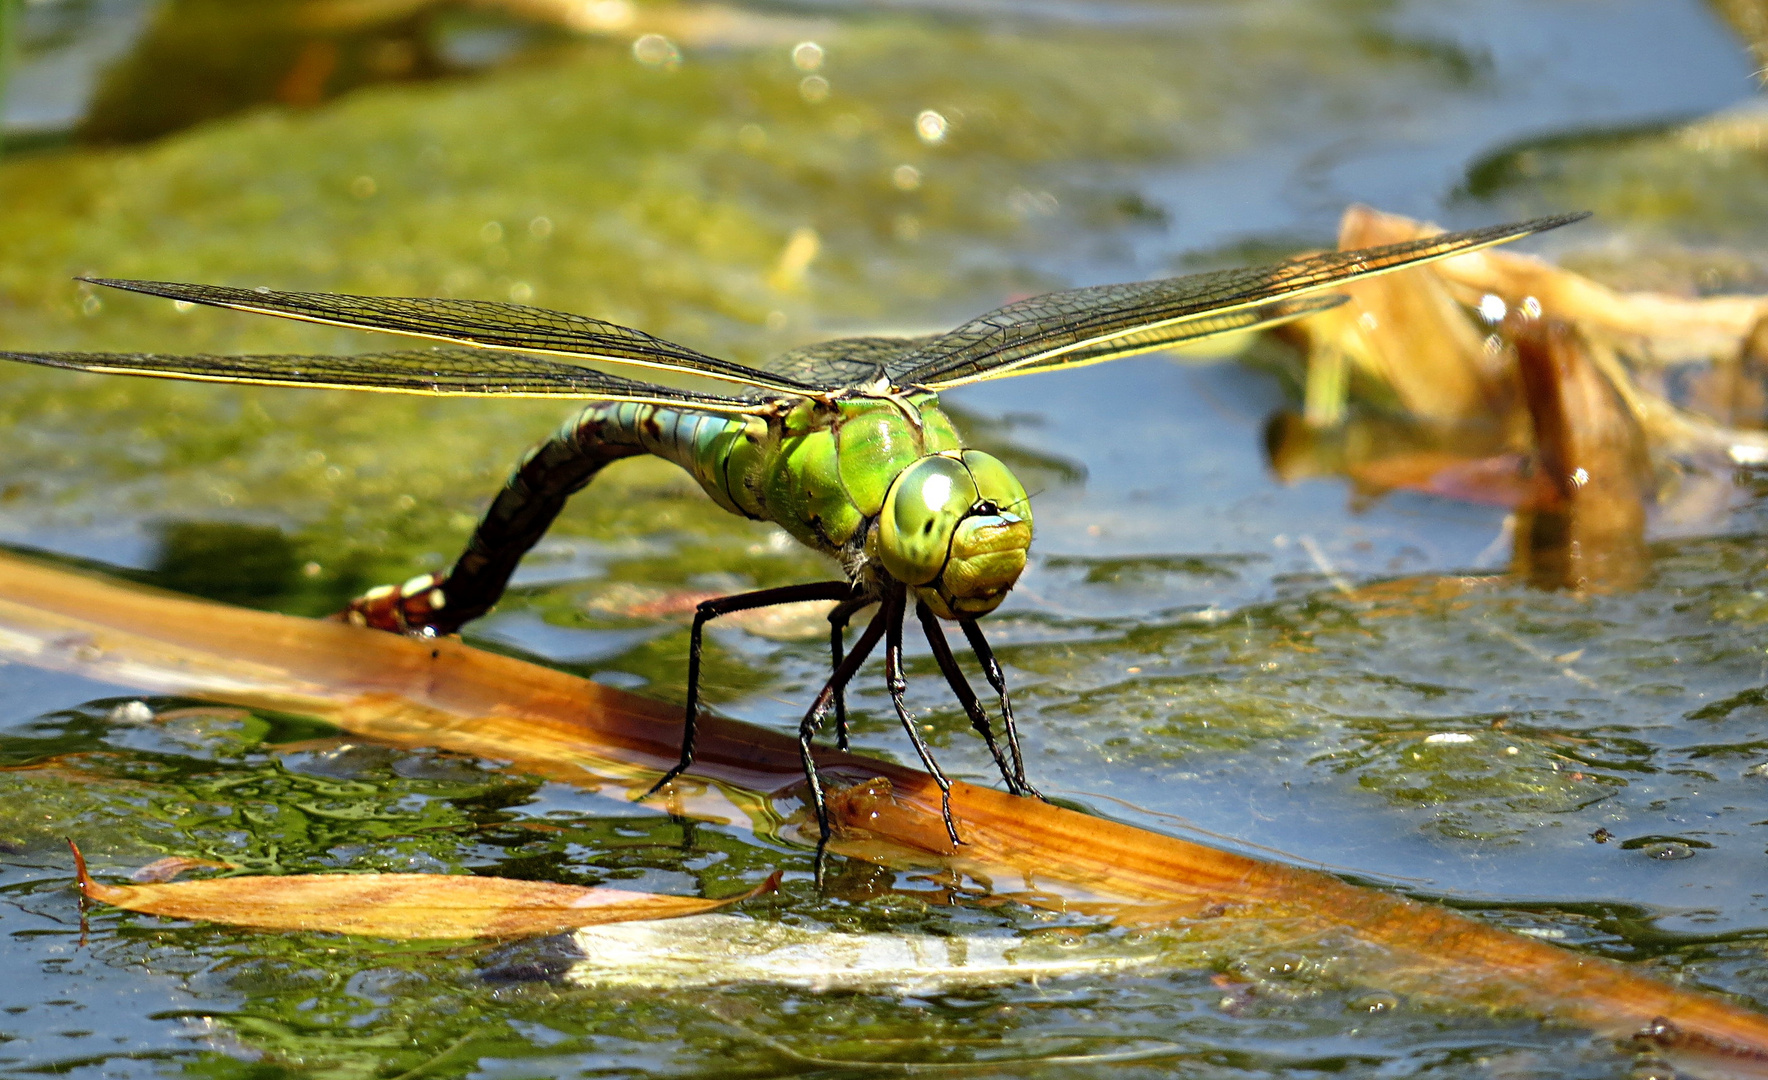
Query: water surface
[1182,654]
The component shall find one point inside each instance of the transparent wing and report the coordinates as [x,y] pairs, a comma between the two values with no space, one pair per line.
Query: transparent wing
[472,322]
[439,372]
[1186,332]
[1091,323]
[843,362]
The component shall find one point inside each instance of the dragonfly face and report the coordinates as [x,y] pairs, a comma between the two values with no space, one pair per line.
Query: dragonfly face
[956,528]
[882,474]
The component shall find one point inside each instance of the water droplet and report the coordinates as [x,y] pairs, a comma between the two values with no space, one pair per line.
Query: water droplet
[930,126]
[655,50]
[131,712]
[1668,851]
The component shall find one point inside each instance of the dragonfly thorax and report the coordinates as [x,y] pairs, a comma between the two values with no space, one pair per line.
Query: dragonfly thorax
[882,482]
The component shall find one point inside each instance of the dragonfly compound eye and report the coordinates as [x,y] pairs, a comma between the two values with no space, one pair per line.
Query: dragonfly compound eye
[989,545]
[958,529]
[920,513]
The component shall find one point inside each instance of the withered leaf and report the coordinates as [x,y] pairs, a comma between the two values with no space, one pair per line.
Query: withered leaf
[404,906]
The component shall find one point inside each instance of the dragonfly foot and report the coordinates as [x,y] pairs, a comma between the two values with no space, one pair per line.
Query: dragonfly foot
[412,608]
[668,777]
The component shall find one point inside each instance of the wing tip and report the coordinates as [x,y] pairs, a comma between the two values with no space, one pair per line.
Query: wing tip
[1552,221]
[149,288]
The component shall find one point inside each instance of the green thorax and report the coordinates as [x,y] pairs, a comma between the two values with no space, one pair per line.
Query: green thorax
[817,468]
[822,469]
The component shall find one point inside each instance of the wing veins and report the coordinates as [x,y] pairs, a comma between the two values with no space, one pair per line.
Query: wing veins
[1158,336]
[431,373]
[1037,332]
[475,323]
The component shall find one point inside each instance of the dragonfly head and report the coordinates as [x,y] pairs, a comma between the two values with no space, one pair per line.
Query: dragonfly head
[956,529]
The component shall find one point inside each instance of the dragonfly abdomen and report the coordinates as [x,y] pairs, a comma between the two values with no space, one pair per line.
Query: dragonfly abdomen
[785,472]
[700,442]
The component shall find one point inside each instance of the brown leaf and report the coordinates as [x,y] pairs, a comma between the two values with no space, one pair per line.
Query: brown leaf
[1585,527]
[403,906]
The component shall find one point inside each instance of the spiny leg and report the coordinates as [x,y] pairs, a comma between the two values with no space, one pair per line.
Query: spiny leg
[894,606]
[813,721]
[838,620]
[954,677]
[725,605]
[992,671]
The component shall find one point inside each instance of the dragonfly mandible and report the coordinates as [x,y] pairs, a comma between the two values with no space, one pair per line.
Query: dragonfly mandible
[842,444]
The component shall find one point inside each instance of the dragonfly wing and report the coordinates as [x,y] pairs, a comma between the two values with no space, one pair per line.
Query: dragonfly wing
[472,322]
[1186,332]
[843,362]
[440,372]
[1039,332]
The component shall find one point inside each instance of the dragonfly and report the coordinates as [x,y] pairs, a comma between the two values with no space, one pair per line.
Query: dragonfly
[842,444]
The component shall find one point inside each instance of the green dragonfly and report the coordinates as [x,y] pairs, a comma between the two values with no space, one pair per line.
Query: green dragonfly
[842,444]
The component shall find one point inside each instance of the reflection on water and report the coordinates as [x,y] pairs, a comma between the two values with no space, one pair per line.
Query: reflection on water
[1271,661]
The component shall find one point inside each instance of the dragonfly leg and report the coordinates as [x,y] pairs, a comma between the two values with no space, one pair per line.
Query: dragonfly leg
[838,620]
[954,677]
[894,605]
[813,721]
[725,605]
[549,475]
[992,670]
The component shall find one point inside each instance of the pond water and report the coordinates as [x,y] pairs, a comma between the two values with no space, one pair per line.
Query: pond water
[1182,655]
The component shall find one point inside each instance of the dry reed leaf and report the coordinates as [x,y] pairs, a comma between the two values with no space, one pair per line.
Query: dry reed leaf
[1660,327]
[1584,527]
[1464,408]
[403,906]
